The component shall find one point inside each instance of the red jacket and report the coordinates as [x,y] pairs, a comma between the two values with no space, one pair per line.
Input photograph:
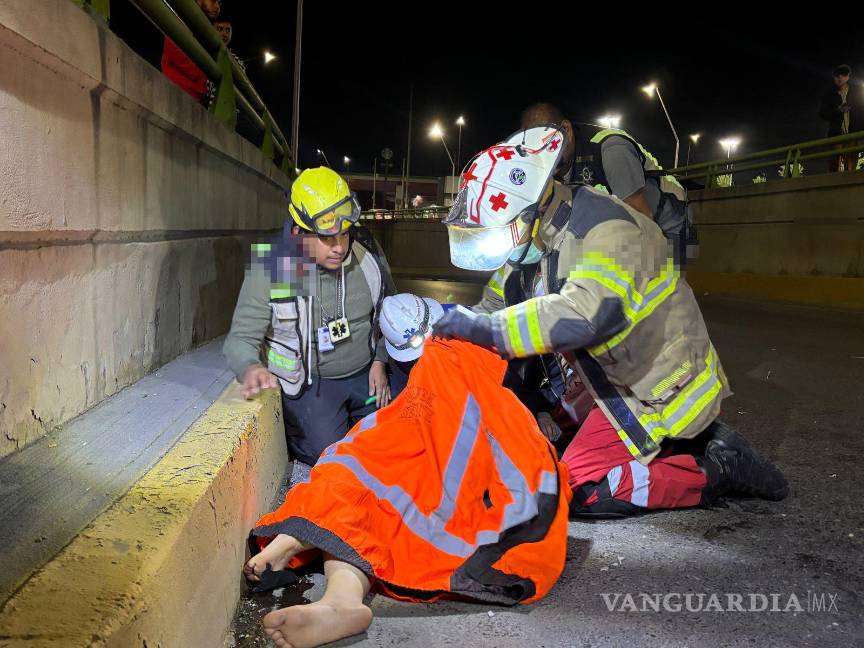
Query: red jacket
[181,70]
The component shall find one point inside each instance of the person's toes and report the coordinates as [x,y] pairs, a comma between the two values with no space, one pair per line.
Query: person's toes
[249,571]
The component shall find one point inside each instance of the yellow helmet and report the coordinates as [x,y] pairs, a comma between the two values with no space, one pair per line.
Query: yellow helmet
[321,202]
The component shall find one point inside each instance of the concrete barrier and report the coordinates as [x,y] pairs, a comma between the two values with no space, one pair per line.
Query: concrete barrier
[125,214]
[161,567]
[800,239]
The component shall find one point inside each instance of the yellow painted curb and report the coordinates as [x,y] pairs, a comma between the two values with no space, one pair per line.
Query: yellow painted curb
[843,292]
[161,567]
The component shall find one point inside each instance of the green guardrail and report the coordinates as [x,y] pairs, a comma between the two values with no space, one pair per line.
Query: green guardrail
[787,160]
[430,213]
[184,23]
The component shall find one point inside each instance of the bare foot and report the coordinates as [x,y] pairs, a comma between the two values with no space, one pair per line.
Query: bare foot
[305,626]
[277,554]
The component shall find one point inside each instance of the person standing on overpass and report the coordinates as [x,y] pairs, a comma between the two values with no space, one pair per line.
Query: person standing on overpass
[616,305]
[323,348]
[836,109]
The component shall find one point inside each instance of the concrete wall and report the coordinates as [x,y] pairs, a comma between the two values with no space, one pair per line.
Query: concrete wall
[161,567]
[419,248]
[801,226]
[800,239]
[125,214]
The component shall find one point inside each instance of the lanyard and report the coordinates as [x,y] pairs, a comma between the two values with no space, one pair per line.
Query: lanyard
[340,298]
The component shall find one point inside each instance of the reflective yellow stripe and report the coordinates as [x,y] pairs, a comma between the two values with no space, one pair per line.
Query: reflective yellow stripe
[672,179]
[608,132]
[607,282]
[629,444]
[512,319]
[523,329]
[277,292]
[281,361]
[612,342]
[669,421]
[637,306]
[533,320]
[496,281]
[676,375]
[601,187]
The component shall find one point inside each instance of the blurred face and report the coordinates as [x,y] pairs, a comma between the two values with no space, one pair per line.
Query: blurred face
[329,251]
[569,144]
[211,8]
[224,31]
[841,80]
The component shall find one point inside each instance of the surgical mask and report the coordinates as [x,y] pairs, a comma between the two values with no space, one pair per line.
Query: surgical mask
[532,256]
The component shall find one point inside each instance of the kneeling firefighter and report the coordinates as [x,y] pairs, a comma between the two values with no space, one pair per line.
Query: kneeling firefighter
[614,303]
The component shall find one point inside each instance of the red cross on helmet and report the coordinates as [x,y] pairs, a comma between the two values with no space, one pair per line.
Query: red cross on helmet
[499,198]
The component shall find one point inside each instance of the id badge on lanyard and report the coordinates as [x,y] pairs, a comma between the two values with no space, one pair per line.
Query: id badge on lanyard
[324,342]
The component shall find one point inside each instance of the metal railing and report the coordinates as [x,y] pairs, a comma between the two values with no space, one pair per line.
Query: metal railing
[786,161]
[184,23]
[430,213]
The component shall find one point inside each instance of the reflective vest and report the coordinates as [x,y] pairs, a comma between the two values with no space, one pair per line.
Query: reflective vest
[449,492]
[671,213]
[288,341]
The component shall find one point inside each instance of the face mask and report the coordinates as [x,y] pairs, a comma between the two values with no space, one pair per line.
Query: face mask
[532,256]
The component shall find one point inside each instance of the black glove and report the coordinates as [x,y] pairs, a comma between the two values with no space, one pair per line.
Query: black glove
[461,324]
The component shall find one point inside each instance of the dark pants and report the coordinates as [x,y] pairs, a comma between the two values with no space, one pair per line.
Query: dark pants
[324,413]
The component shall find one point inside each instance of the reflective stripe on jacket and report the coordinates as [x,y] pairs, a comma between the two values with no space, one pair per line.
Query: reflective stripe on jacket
[617,302]
[450,491]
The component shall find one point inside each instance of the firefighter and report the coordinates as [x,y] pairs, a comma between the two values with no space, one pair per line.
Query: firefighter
[615,304]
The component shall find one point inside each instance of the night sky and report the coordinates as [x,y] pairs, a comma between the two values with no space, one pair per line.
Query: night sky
[734,73]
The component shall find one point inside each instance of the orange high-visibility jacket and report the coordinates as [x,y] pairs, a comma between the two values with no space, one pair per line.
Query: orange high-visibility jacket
[451,491]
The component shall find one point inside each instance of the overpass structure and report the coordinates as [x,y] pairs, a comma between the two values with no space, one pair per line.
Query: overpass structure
[131,470]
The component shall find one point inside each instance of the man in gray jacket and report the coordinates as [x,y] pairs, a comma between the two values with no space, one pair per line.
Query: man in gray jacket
[320,345]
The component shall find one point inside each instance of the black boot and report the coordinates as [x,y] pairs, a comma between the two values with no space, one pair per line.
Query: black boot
[732,467]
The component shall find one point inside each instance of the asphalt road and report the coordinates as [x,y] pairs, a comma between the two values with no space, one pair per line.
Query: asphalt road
[798,376]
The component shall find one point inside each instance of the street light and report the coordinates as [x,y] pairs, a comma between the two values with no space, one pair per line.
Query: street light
[651,89]
[436,133]
[730,145]
[326,161]
[460,122]
[609,121]
[295,106]
[694,140]
[267,55]
[347,161]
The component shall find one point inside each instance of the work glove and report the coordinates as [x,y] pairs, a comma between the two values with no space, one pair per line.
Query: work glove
[461,324]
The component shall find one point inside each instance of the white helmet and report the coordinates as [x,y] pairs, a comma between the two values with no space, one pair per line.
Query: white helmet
[406,322]
[499,197]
